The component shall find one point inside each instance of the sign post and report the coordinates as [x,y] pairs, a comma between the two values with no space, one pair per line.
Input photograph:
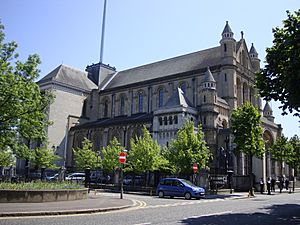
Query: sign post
[122,160]
[195,170]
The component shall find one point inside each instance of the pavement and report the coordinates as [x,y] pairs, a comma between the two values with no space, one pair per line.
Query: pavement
[93,204]
[96,202]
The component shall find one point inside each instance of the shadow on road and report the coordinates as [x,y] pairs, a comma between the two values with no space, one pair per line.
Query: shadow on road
[287,214]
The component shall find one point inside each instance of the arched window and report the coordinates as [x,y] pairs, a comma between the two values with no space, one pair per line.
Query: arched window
[160,97]
[140,103]
[204,98]
[170,120]
[105,111]
[165,120]
[176,119]
[224,124]
[225,48]
[160,121]
[122,105]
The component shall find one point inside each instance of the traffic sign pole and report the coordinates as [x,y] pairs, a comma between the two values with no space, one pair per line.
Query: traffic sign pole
[195,170]
[122,160]
[121,193]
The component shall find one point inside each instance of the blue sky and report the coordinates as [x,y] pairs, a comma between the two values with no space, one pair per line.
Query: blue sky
[138,31]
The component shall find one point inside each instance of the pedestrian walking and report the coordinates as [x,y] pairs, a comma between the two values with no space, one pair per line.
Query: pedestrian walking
[280,184]
[273,181]
[269,185]
[287,182]
[261,184]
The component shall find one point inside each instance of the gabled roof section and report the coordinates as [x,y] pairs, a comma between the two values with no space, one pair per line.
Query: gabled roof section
[172,66]
[177,99]
[69,77]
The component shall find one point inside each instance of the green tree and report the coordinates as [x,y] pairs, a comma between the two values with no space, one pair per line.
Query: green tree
[247,131]
[43,158]
[6,158]
[85,157]
[280,79]
[144,154]
[281,151]
[22,104]
[188,148]
[110,161]
[295,159]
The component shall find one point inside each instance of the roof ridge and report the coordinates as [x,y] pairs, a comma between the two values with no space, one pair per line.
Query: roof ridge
[169,59]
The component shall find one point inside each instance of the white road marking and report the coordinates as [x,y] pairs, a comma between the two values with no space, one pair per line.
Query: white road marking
[210,214]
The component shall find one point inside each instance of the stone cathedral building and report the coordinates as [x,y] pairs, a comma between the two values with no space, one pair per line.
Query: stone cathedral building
[203,87]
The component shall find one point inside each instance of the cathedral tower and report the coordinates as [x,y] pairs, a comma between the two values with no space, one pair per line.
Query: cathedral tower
[228,45]
[254,58]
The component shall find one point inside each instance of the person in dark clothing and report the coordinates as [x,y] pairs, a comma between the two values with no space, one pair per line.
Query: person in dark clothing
[280,184]
[269,185]
[273,181]
[261,184]
[287,182]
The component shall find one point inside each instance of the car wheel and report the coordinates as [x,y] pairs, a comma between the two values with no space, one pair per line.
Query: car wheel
[161,194]
[198,198]
[187,195]
[171,196]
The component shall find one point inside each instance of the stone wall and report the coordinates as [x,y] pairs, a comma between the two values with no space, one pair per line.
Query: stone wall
[15,196]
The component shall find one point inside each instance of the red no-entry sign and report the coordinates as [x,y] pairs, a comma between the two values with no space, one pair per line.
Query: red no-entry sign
[195,167]
[122,157]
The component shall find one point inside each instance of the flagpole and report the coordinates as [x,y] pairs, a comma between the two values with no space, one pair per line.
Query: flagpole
[102,41]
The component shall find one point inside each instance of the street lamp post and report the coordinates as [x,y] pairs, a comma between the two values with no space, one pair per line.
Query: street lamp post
[226,154]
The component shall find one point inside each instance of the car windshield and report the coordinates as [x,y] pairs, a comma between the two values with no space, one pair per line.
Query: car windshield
[188,182]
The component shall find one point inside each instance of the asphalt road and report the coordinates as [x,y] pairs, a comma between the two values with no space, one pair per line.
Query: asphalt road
[281,209]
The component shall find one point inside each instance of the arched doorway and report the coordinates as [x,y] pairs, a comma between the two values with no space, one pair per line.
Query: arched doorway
[270,165]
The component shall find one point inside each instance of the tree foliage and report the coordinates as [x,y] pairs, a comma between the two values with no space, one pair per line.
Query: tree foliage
[110,161]
[280,79]
[282,150]
[85,157]
[188,148]
[6,158]
[144,154]
[42,157]
[22,104]
[247,130]
[294,161]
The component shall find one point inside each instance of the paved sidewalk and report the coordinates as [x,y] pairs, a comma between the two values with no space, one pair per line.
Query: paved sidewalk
[94,203]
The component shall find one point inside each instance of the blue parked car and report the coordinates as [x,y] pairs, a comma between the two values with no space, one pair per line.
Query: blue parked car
[179,188]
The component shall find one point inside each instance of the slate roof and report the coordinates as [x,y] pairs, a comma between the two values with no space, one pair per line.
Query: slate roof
[189,62]
[253,50]
[177,99]
[208,77]
[267,107]
[227,28]
[119,120]
[70,77]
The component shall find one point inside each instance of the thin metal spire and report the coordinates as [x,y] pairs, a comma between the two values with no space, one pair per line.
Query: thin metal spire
[103,32]
[102,41]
